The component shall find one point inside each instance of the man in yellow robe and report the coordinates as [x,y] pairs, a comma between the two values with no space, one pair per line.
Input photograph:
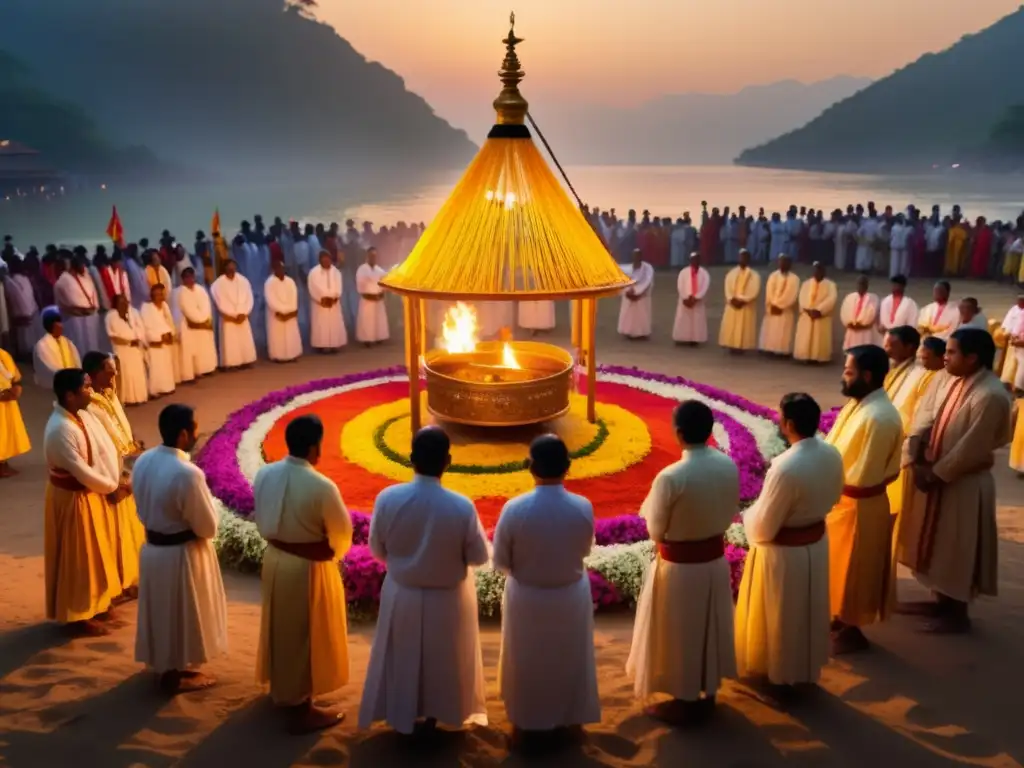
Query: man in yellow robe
[303,650]
[956,247]
[948,535]
[869,435]
[780,297]
[813,343]
[739,323]
[106,407]
[13,437]
[79,556]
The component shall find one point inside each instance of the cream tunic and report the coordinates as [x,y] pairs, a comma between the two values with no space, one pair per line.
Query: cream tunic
[813,340]
[782,291]
[635,315]
[536,315]
[234,298]
[198,345]
[683,636]
[157,323]
[73,291]
[861,309]
[328,325]
[782,612]
[892,315]
[691,323]
[739,326]
[131,360]
[372,318]
[284,342]
[938,320]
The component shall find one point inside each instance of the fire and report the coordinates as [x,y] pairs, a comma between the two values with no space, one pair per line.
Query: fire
[459,334]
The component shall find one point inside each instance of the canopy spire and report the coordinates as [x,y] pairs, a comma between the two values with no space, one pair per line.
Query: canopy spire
[510,105]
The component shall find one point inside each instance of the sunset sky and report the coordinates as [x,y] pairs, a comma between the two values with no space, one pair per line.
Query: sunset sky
[610,52]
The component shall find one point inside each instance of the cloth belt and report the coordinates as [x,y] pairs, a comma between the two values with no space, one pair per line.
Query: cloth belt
[170,539]
[867,492]
[314,551]
[66,482]
[803,536]
[692,552]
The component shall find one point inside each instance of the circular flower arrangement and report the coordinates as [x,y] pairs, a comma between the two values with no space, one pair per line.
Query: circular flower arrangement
[366,449]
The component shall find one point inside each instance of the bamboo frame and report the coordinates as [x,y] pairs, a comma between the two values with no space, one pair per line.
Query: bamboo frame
[413,350]
[589,311]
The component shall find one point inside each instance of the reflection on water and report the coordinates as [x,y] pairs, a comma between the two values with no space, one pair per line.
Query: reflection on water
[386,199]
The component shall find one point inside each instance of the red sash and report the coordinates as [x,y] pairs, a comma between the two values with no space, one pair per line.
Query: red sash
[803,536]
[692,552]
[88,296]
[896,301]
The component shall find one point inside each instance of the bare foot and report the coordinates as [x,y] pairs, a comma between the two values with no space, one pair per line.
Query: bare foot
[6,470]
[307,718]
[174,682]
[88,628]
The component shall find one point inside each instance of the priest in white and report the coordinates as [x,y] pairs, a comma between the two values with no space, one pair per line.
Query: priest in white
[782,611]
[328,332]
[897,308]
[128,336]
[691,324]
[53,352]
[183,621]
[780,298]
[859,316]
[195,329]
[78,300]
[683,635]
[159,328]
[372,317]
[547,672]
[635,314]
[22,310]
[426,660]
[284,343]
[941,317]
[233,298]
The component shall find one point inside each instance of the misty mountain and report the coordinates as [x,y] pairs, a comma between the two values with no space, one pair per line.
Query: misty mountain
[936,110]
[688,128]
[245,85]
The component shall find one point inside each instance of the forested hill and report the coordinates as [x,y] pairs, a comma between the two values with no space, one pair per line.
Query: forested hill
[937,110]
[228,84]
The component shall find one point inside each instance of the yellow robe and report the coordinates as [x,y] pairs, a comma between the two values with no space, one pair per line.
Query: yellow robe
[781,291]
[303,650]
[956,250]
[869,436]
[739,326]
[814,337]
[127,530]
[13,437]
[1017,446]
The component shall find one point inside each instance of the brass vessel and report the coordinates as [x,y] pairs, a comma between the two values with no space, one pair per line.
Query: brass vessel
[476,389]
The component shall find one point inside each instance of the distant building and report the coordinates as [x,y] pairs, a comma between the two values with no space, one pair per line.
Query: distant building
[23,170]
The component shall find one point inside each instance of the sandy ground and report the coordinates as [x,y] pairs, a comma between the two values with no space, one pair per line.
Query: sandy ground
[914,700]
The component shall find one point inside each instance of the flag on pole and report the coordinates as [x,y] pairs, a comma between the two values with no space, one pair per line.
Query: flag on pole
[114,229]
[215,222]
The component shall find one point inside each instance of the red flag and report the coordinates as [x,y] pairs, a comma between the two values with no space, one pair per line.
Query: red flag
[114,229]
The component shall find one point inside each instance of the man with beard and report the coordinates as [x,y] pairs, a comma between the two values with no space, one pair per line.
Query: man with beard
[869,435]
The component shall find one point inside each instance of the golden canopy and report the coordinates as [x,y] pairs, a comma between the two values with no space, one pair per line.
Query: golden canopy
[508,230]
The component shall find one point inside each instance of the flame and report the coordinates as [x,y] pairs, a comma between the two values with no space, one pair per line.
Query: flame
[459,329]
[508,357]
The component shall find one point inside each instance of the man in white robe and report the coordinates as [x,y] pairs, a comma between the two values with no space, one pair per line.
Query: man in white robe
[897,308]
[233,297]
[22,310]
[780,296]
[859,316]
[683,636]
[284,344]
[426,660]
[899,247]
[372,317]
[635,314]
[941,317]
[783,611]
[182,607]
[325,287]
[867,242]
[303,650]
[547,669]
[53,352]
[691,324]
[195,329]
[159,330]
[127,334]
[75,295]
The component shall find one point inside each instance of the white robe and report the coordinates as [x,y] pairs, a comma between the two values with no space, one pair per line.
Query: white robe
[182,607]
[536,315]
[547,672]
[233,297]
[942,319]
[867,239]
[21,303]
[372,318]
[683,635]
[131,373]
[691,324]
[904,314]
[635,315]
[47,359]
[865,312]
[198,345]
[783,612]
[79,292]
[156,322]
[494,316]
[283,339]
[328,325]
[426,659]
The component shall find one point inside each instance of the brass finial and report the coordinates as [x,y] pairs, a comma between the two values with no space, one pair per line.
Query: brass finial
[510,104]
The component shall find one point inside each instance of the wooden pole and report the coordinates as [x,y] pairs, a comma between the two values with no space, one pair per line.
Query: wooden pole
[410,305]
[590,337]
